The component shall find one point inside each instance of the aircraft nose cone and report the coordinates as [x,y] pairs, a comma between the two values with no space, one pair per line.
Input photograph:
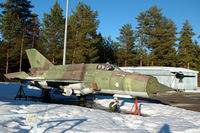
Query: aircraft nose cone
[153,87]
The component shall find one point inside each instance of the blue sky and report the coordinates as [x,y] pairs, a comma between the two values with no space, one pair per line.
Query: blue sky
[115,13]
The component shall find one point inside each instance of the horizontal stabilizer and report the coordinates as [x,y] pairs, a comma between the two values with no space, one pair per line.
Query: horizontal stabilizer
[16,75]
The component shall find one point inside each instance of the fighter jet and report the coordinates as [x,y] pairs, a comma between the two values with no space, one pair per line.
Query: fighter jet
[85,79]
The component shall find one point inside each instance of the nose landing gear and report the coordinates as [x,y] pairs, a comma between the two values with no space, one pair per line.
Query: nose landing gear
[113,106]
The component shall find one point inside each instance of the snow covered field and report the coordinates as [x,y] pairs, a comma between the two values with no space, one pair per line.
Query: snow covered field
[70,118]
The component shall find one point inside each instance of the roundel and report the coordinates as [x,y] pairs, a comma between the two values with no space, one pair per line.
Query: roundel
[116,84]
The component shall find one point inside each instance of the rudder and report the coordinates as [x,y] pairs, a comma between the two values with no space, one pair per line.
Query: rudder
[37,60]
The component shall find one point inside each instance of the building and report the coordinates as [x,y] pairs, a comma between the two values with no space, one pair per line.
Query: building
[167,76]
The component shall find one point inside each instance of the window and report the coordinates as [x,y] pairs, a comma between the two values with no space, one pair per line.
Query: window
[107,67]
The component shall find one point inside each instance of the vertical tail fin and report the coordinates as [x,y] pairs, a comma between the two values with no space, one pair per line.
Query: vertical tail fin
[37,60]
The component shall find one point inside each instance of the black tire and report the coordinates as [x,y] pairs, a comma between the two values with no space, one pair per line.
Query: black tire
[113,107]
[46,96]
[81,100]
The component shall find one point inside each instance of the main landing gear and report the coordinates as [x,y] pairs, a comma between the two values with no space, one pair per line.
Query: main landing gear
[46,96]
[81,100]
[86,100]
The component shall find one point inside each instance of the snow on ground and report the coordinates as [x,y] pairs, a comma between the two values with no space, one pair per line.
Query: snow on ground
[193,91]
[70,118]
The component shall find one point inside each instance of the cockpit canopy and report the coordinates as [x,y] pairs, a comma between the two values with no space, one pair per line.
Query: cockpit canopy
[107,67]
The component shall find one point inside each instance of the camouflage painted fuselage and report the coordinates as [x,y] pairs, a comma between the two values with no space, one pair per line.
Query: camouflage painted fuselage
[106,77]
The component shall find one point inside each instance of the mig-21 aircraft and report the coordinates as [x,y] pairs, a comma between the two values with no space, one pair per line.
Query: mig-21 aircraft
[85,79]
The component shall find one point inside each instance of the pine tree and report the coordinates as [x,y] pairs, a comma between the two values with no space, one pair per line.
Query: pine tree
[157,33]
[196,60]
[83,39]
[166,55]
[53,32]
[21,9]
[186,47]
[118,54]
[10,29]
[2,59]
[34,28]
[106,50]
[127,40]
[142,35]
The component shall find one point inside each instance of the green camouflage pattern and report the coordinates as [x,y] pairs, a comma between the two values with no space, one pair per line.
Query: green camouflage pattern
[107,77]
[17,75]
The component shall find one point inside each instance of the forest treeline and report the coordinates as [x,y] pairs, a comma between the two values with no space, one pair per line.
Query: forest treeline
[152,42]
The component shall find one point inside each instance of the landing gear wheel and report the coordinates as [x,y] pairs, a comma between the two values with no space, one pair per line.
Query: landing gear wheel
[113,107]
[46,96]
[81,100]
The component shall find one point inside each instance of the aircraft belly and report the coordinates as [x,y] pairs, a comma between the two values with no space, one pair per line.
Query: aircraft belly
[121,92]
